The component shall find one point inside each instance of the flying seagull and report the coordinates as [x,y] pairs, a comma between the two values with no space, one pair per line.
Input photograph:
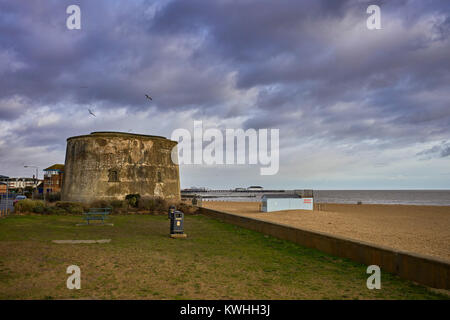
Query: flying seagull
[148,97]
[91,112]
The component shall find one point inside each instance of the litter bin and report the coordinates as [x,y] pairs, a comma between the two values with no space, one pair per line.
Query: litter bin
[176,222]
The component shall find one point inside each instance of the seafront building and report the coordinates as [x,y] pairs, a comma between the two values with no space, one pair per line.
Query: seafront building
[19,183]
[53,178]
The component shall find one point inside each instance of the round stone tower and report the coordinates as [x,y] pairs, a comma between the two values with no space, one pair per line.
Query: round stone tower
[110,165]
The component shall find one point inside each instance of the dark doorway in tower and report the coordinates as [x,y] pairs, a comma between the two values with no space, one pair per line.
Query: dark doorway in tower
[113,175]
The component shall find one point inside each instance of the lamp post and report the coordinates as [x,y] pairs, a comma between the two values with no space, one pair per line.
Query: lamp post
[36,178]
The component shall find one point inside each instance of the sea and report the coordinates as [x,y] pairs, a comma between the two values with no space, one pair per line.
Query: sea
[407,197]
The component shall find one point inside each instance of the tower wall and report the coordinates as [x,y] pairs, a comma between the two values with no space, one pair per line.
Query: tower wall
[110,165]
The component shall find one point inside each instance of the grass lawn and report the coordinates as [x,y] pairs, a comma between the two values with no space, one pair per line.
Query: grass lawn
[216,261]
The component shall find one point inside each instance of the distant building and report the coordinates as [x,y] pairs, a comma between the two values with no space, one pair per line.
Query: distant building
[195,189]
[240,189]
[278,202]
[3,187]
[255,188]
[53,178]
[3,181]
[3,184]
[19,183]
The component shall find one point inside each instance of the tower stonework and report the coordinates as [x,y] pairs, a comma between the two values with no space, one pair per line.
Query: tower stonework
[110,165]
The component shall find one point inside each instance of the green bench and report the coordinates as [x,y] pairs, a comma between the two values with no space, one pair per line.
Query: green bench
[100,214]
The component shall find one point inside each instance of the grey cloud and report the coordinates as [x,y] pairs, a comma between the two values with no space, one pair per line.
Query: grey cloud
[112,55]
[309,68]
[438,151]
[313,75]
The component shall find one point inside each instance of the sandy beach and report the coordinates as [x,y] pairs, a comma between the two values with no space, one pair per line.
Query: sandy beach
[418,229]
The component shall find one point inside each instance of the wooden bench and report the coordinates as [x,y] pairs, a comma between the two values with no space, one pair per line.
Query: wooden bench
[97,214]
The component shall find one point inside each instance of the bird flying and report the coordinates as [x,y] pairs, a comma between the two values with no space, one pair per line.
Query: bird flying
[148,97]
[91,112]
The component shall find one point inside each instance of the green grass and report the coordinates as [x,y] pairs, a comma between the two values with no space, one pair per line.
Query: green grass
[216,261]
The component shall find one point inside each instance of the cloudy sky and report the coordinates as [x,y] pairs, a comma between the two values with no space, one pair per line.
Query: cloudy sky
[356,108]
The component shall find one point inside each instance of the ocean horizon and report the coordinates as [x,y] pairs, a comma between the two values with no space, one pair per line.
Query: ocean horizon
[438,197]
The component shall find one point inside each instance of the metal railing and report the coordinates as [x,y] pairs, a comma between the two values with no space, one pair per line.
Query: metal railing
[6,205]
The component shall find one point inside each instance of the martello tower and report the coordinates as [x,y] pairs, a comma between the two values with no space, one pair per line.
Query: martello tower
[110,165]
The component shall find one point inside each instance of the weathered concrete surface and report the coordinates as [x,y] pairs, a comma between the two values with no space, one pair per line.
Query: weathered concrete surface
[110,165]
[422,269]
[81,241]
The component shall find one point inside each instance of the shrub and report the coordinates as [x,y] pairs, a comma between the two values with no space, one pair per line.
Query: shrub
[118,204]
[39,208]
[161,205]
[28,205]
[147,204]
[70,207]
[54,210]
[100,204]
[186,208]
[154,205]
